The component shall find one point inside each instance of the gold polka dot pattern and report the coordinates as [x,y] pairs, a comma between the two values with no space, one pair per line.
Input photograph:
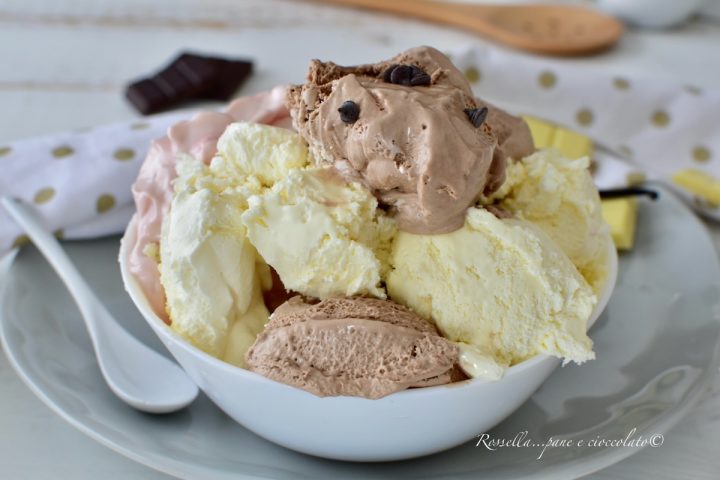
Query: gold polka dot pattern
[701,154]
[547,79]
[44,195]
[20,240]
[621,83]
[472,74]
[104,203]
[124,154]
[660,118]
[62,151]
[635,178]
[585,117]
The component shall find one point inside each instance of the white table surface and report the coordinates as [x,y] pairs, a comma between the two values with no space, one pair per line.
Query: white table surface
[63,65]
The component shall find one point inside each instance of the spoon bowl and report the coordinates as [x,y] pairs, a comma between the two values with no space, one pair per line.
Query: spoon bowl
[550,29]
[137,374]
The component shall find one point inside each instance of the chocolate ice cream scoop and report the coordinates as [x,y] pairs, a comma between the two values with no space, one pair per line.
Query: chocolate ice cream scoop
[410,130]
[352,346]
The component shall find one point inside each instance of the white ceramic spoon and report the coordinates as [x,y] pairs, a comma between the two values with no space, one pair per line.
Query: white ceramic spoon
[137,374]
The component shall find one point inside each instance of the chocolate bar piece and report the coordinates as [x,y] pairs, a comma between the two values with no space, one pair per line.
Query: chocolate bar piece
[190,76]
[232,74]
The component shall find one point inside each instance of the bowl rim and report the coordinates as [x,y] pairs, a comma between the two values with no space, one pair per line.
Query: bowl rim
[132,287]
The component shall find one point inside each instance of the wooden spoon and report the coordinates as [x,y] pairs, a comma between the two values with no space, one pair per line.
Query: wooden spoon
[546,29]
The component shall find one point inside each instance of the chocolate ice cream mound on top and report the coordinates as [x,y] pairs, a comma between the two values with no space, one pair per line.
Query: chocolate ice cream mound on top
[411,140]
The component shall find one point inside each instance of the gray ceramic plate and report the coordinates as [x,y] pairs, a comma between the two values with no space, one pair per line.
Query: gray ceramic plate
[657,345]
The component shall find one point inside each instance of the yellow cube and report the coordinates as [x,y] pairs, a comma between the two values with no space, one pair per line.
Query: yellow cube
[542,132]
[621,215]
[572,144]
[699,183]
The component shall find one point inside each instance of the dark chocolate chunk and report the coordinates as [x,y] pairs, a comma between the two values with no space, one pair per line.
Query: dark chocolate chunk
[232,74]
[476,115]
[407,75]
[146,96]
[349,112]
[189,76]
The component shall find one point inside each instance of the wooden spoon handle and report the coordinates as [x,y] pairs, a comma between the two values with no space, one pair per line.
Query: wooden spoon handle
[547,29]
[426,9]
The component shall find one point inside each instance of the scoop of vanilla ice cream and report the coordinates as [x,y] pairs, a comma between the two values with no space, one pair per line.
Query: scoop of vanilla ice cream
[212,275]
[259,153]
[207,266]
[324,237]
[246,328]
[558,195]
[500,287]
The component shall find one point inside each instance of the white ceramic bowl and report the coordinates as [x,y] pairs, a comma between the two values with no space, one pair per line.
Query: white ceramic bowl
[403,425]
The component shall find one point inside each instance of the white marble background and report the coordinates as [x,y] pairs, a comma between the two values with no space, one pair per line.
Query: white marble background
[64,63]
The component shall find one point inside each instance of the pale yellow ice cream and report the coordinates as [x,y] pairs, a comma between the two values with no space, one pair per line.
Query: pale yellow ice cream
[500,286]
[253,153]
[324,237]
[207,266]
[212,275]
[246,328]
[557,194]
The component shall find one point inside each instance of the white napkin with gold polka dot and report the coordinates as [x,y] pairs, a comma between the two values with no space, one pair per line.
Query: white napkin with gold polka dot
[643,125]
[81,181]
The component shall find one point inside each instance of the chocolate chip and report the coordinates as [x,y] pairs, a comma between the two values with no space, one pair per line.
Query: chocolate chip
[401,75]
[388,72]
[407,75]
[477,115]
[349,112]
[420,79]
